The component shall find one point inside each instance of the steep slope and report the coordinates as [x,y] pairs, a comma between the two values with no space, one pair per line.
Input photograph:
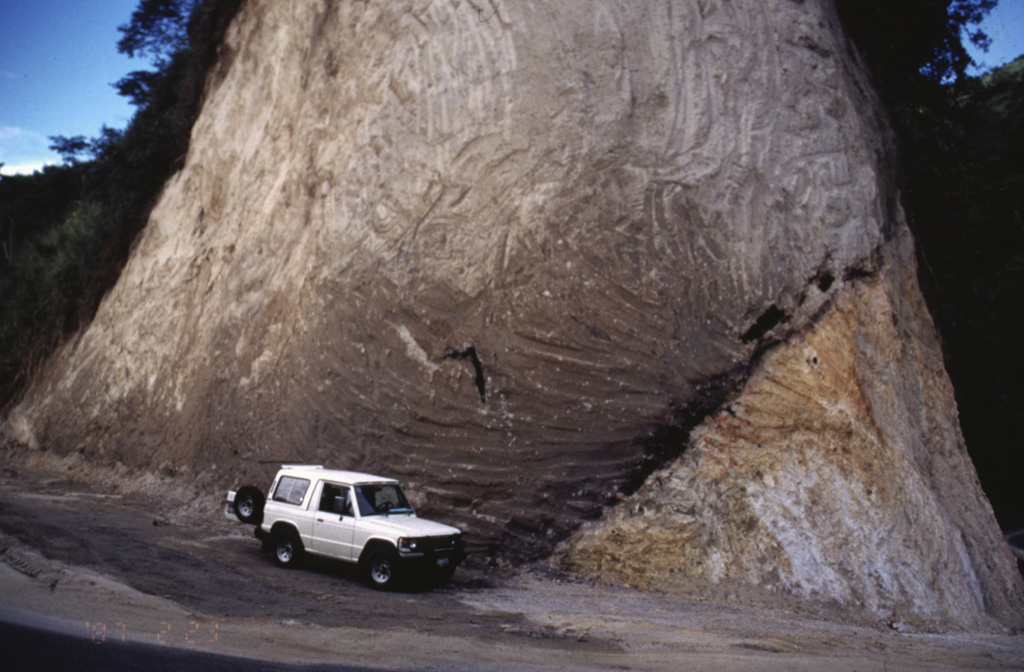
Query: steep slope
[838,473]
[513,253]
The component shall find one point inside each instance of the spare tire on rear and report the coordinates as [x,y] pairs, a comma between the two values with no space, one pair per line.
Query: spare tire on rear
[249,505]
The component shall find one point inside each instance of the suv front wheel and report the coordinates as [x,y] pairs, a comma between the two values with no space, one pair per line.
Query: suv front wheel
[381,569]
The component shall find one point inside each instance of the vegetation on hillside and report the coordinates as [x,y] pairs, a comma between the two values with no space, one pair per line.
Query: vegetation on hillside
[67,230]
[965,201]
[962,158]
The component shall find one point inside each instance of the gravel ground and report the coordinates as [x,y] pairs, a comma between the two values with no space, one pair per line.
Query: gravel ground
[115,569]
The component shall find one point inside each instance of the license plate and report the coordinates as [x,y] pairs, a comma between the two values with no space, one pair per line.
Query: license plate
[442,562]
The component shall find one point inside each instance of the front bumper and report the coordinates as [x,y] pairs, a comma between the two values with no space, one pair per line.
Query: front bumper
[435,554]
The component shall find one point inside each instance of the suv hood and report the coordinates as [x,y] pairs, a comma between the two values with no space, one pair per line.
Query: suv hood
[406,525]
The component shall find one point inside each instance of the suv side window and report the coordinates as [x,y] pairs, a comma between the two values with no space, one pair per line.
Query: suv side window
[335,499]
[291,490]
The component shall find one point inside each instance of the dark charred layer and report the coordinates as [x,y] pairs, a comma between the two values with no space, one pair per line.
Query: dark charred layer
[668,441]
[767,321]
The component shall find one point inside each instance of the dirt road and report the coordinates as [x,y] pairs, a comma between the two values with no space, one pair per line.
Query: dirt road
[116,569]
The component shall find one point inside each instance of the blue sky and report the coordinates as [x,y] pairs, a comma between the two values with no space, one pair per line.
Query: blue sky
[58,59]
[1005,25]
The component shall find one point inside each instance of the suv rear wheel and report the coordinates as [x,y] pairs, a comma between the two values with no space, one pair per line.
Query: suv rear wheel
[287,548]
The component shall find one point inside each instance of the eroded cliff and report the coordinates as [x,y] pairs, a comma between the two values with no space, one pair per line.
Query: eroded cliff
[837,473]
[513,252]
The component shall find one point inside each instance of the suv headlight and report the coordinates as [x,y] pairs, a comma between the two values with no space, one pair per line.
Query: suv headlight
[407,545]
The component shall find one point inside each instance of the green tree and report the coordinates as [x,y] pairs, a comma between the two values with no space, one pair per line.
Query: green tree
[158,30]
[67,230]
[71,150]
[914,46]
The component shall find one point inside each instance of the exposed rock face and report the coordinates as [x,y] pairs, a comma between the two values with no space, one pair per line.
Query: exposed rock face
[837,473]
[512,252]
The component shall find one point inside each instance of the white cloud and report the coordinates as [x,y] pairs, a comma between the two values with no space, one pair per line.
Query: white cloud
[24,168]
[23,151]
[8,132]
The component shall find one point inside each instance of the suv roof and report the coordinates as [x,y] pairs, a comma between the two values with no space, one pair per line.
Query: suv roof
[312,471]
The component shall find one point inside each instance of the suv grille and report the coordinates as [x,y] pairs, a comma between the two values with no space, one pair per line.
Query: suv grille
[439,544]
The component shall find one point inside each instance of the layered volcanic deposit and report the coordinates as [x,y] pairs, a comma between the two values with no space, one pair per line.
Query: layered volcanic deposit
[639,265]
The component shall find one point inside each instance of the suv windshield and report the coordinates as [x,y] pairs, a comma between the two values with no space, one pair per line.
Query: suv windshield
[375,500]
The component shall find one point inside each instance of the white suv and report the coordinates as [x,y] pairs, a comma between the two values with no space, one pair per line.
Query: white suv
[358,518]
